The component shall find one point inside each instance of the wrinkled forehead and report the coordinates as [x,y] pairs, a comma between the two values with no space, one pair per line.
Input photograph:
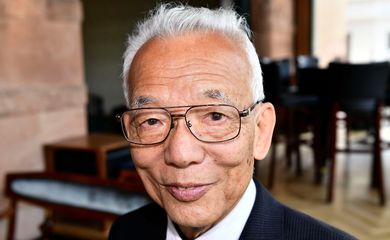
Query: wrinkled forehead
[210,94]
[193,58]
[189,45]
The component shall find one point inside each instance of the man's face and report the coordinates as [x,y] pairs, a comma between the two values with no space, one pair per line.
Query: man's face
[197,183]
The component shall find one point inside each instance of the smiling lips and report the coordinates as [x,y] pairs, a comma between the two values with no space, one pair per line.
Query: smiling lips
[189,192]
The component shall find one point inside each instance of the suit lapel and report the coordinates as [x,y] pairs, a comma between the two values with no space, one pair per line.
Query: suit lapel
[157,222]
[266,218]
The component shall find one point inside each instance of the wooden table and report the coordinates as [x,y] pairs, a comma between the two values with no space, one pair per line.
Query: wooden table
[98,144]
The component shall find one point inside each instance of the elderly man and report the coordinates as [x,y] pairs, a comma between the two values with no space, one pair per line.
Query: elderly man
[196,123]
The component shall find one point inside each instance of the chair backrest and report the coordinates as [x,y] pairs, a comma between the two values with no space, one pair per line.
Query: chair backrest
[387,98]
[360,85]
[309,76]
[306,61]
[312,81]
[276,75]
[353,81]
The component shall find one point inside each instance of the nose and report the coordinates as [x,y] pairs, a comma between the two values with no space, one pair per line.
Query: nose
[182,149]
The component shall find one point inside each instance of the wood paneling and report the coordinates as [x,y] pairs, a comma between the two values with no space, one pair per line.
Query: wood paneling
[303,25]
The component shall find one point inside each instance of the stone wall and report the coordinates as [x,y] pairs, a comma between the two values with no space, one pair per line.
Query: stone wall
[42,89]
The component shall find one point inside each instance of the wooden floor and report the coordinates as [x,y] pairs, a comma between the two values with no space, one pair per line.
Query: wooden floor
[355,209]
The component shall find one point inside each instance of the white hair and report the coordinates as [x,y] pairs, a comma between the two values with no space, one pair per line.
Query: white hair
[173,19]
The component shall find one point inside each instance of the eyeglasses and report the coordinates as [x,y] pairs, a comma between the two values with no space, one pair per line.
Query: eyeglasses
[208,123]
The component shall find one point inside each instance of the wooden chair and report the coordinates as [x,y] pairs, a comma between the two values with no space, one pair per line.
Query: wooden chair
[305,61]
[5,210]
[276,74]
[290,107]
[297,111]
[85,197]
[359,91]
[310,111]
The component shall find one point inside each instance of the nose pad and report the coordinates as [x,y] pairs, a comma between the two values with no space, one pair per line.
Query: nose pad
[189,124]
[183,149]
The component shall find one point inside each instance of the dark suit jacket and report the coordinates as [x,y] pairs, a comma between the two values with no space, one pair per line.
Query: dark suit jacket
[269,219]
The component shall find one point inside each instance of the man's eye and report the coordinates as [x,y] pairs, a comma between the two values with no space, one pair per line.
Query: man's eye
[151,121]
[215,116]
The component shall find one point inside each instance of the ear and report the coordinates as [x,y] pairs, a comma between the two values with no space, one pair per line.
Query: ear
[265,123]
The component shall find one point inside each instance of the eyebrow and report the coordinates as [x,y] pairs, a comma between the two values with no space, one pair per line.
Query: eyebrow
[141,101]
[217,94]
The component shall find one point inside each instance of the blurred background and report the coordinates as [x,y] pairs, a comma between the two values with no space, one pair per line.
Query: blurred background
[326,69]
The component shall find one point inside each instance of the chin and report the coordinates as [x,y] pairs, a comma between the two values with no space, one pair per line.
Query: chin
[192,216]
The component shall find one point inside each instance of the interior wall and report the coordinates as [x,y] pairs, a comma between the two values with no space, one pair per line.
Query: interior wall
[330,30]
[106,25]
[369,30]
[105,28]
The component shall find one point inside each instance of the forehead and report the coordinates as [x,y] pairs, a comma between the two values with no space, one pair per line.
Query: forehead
[199,64]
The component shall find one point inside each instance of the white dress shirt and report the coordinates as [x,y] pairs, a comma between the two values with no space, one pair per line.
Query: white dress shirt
[230,227]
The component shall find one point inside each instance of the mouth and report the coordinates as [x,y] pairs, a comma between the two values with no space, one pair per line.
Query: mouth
[187,192]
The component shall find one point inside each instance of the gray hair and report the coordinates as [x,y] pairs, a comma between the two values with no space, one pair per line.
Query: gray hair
[172,19]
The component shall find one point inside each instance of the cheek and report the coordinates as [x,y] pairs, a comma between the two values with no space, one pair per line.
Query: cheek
[236,162]
[247,145]
[145,157]
[237,153]
[150,184]
[149,169]
[237,174]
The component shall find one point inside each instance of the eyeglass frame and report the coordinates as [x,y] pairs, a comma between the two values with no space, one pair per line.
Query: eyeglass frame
[241,114]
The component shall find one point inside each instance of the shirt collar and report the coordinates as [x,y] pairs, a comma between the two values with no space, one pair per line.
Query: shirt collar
[234,221]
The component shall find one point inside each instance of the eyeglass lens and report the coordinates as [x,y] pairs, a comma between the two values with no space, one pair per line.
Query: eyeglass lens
[207,123]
